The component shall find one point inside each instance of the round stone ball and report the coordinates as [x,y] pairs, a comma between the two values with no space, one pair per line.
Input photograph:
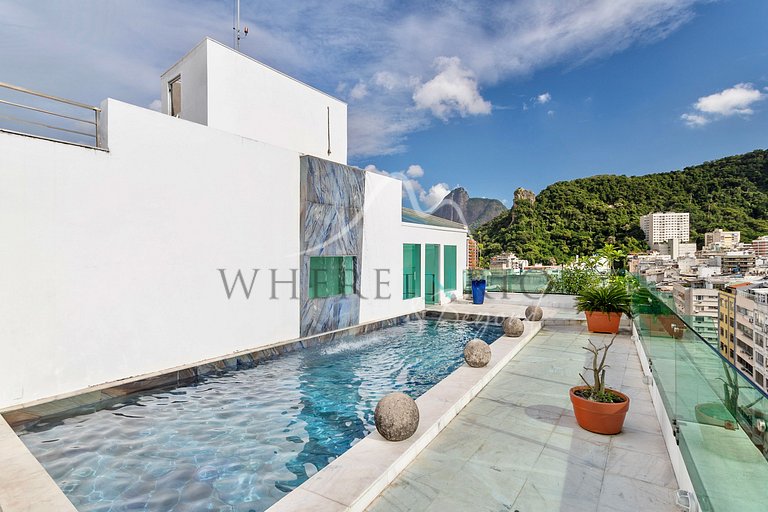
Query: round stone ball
[533,313]
[477,353]
[513,327]
[396,417]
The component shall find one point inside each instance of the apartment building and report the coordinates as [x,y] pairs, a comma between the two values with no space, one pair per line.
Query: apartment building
[751,331]
[473,253]
[726,321]
[508,261]
[722,239]
[760,246]
[661,227]
[697,302]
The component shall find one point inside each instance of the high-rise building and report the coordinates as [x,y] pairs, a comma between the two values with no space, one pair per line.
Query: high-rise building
[698,303]
[722,239]
[661,227]
[760,246]
[751,330]
[473,253]
[726,320]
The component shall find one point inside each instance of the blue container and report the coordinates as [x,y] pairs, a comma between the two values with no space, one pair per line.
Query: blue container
[478,291]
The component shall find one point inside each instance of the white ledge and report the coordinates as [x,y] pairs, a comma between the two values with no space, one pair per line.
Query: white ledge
[359,475]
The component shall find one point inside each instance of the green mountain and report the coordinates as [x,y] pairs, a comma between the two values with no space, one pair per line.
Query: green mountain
[578,217]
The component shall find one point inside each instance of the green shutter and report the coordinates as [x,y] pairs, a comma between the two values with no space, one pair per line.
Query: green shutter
[411,271]
[449,268]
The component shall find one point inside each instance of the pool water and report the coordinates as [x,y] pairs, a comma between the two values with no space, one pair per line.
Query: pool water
[240,440]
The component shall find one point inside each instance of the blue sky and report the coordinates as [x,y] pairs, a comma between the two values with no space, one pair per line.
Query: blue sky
[487,95]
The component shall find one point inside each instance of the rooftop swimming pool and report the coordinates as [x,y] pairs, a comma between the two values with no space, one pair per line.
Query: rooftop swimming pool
[240,440]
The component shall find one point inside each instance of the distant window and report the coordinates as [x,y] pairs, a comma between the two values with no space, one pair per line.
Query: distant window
[411,271]
[331,275]
[174,95]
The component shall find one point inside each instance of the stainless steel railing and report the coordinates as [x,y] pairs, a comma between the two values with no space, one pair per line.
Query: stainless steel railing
[86,129]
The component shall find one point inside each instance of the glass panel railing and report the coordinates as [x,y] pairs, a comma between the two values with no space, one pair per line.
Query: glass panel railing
[721,415]
[509,281]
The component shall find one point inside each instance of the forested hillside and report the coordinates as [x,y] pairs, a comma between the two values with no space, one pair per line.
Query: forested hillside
[580,216]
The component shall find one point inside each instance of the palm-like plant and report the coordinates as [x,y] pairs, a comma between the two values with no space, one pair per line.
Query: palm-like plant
[606,298]
[611,254]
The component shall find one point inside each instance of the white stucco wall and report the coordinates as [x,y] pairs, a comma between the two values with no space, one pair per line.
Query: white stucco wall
[382,249]
[384,234]
[423,234]
[246,97]
[108,261]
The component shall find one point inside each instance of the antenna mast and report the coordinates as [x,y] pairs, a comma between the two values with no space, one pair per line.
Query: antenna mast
[238,34]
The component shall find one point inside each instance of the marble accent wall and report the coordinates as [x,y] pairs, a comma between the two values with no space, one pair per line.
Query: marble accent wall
[331,224]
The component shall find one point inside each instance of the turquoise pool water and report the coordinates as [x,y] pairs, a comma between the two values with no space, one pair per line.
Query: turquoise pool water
[240,440]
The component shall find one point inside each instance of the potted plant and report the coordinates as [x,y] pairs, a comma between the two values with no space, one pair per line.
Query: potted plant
[478,286]
[659,316]
[729,414]
[604,305]
[597,408]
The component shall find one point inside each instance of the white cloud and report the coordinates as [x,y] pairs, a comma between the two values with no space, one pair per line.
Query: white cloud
[359,91]
[414,171]
[430,199]
[453,91]
[543,98]
[736,100]
[156,105]
[694,120]
[550,113]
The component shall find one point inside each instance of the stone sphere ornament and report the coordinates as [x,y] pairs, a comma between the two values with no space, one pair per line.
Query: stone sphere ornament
[477,353]
[513,327]
[396,417]
[533,313]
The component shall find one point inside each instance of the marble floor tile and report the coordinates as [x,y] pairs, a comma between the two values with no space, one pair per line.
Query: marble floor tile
[517,445]
[622,494]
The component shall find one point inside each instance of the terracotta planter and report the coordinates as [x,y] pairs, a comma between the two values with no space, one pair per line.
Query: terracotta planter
[598,417]
[597,321]
[673,326]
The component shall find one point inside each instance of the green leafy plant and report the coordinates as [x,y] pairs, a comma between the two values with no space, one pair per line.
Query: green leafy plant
[478,274]
[597,392]
[611,297]
[571,280]
[612,255]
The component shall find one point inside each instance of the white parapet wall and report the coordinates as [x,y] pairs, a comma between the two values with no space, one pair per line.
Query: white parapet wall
[110,259]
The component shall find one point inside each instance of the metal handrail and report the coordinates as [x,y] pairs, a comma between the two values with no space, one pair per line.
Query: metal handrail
[96,112]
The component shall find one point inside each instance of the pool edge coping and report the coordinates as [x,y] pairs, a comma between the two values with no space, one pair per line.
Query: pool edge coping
[356,478]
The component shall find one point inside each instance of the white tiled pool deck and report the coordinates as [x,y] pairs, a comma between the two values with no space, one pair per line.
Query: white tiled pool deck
[517,447]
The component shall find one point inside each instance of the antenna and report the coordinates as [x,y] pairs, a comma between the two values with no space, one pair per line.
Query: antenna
[238,34]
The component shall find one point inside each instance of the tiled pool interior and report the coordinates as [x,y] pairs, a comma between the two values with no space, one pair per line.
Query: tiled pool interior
[240,440]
